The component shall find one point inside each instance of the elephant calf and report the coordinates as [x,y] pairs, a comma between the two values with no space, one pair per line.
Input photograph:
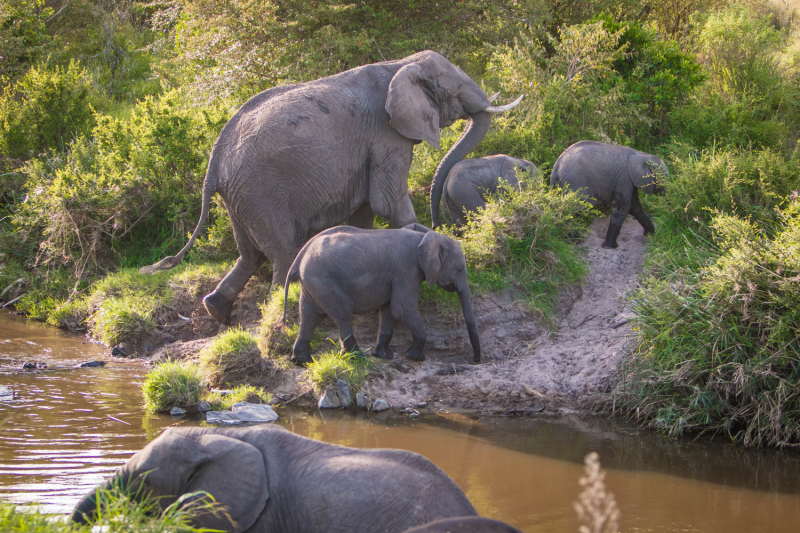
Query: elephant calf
[271,480]
[346,270]
[472,181]
[611,174]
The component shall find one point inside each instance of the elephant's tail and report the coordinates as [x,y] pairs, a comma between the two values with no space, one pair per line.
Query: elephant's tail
[209,188]
[291,277]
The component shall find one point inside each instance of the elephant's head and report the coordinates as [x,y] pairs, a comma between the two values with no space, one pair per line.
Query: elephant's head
[648,173]
[430,93]
[443,264]
[179,463]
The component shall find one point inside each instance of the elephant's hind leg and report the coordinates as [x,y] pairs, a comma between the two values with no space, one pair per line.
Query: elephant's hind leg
[385,330]
[620,206]
[637,211]
[309,320]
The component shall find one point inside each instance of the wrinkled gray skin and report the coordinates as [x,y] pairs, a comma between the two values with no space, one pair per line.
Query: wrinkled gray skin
[467,524]
[298,159]
[472,181]
[346,270]
[611,174]
[273,480]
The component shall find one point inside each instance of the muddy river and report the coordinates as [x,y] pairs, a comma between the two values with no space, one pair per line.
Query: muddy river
[71,427]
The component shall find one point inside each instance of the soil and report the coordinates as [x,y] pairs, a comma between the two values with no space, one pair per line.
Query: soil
[526,367]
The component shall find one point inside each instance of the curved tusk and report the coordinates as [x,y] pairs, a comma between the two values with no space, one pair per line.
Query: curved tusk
[504,108]
[494,97]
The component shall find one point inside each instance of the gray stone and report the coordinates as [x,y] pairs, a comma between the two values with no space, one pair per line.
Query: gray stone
[225,418]
[361,401]
[254,413]
[380,405]
[177,411]
[343,392]
[329,400]
[203,406]
[90,364]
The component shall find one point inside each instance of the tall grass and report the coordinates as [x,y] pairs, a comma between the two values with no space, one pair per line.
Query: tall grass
[172,384]
[330,366]
[231,357]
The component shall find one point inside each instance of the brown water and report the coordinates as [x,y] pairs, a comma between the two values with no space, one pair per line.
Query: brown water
[59,440]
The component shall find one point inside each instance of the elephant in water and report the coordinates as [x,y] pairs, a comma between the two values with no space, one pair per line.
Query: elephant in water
[297,159]
[467,524]
[347,270]
[271,480]
[472,181]
[611,174]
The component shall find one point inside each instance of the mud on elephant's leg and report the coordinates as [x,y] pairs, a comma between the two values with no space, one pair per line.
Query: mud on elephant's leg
[620,206]
[309,320]
[637,211]
[385,330]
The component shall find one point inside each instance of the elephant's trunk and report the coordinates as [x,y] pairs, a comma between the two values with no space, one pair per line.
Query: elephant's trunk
[86,509]
[472,326]
[477,126]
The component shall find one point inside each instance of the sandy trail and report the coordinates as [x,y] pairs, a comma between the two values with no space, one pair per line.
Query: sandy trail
[526,368]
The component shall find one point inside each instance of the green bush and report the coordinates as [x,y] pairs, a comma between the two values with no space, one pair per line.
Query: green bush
[232,357]
[172,384]
[45,110]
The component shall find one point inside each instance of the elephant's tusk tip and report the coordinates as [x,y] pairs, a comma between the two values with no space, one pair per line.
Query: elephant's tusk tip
[504,108]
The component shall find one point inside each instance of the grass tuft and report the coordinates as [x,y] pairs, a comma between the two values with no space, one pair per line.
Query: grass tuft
[232,357]
[172,384]
[330,366]
[241,393]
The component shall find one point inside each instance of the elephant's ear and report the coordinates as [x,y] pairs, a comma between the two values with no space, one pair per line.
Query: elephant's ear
[236,475]
[646,172]
[412,113]
[431,256]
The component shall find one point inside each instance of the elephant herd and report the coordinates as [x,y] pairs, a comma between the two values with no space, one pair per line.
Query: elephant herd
[293,164]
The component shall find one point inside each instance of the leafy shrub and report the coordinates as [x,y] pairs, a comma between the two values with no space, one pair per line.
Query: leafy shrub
[172,384]
[232,357]
[719,348]
[45,110]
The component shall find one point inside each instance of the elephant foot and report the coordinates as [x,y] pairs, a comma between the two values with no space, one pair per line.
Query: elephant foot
[301,360]
[383,353]
[219,307]
[610,246]
[415,354]
[301,353]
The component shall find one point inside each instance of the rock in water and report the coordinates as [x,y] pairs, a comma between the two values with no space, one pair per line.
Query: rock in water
[329,400]
[254,413]
[380,405]
[90,364]
[203,406]
[177,411]
[361,401]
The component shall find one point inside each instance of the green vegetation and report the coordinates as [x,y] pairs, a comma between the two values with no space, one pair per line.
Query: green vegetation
[331,365]
[108,112]
[231,357]
[172,384]
[240,393]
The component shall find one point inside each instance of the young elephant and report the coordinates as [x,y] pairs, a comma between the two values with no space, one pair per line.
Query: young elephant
[472,181]
[271,480]
[611,174]
[347,270]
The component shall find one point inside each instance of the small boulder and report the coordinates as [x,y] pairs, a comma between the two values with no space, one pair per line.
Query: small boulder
[254,413]
[361,401]
[90,364]
[329,399]
[203,406]
[343,392]
[380,405]
[177,411]
[225,418]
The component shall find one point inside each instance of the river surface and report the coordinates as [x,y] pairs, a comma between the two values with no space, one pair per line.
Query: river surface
[71,427]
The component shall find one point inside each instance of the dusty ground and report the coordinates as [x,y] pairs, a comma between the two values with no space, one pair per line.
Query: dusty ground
[525,368]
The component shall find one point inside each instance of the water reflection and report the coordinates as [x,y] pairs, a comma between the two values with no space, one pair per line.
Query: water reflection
[58,440]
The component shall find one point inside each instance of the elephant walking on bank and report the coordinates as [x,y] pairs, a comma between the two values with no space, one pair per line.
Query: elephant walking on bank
[298,159]
[472,181]
[271,480]
[346,270]
[611,174]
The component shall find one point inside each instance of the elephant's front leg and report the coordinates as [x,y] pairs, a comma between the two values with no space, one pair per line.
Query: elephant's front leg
[620,206]
[385,330]
[639,214]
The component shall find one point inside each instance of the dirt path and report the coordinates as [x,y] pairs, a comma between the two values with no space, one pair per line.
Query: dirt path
[526,368]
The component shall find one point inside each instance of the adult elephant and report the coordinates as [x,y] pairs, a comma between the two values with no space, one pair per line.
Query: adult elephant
[272,480]
[298,159]
[470,182]
[611,174]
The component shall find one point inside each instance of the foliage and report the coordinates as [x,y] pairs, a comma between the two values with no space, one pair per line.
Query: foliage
[240,393]
[23,32]
[172,384]
[525,234]
[231,357]
[332,365]
[45,110]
